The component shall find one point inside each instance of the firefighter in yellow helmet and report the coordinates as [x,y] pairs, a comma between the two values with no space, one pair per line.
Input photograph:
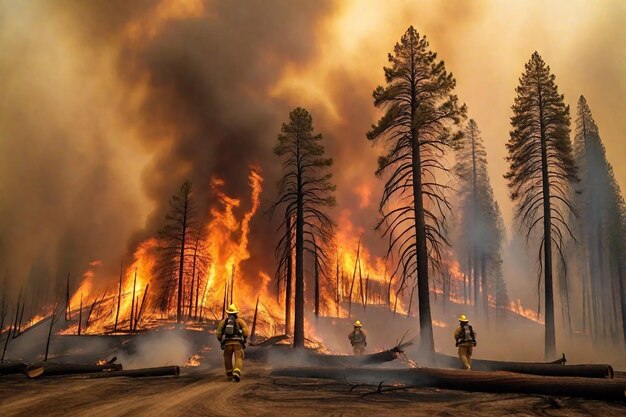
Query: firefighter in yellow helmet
[465,338]
[358,338]
[232,333]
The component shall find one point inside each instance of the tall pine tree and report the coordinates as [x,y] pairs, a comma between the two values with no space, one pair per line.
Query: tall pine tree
[305,193]
[600,205]
[416,130]
[541,171]
[480,224]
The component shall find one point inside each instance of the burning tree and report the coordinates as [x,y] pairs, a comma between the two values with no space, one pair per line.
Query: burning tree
[179,243]
[419,109]
[481,229]
[601,224]
[541,170]
[304,193]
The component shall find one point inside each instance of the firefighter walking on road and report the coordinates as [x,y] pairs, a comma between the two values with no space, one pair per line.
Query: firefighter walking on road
[358,338]
[465,338]
[232,333]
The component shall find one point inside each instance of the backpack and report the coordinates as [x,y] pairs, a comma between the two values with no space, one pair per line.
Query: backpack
[231,328]
[358,337]
[467,335]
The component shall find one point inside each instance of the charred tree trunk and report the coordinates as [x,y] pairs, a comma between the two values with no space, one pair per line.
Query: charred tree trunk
[136,373]
[289,279]
[193,276]
[474,239]
[256,310]
[119,300]
[19,323]
[550,337]
[337,290]
[17,316]
[181,262]
[143,304]
[132,303]
[52,322]
[225,299]
[427,344]
[232,286]
[69,369]
[499,382]
[298,328]
[6,342]
[80,315]
[317,286]
[358,253]
[68,308]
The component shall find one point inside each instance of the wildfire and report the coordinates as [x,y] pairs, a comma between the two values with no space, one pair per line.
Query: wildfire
[517,308]
[134,301]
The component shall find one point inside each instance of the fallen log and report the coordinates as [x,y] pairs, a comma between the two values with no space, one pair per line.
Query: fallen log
[50,369]
[532,368]
[7,368]
[475,381]
[270,341]
[136,373]
[319,359]
[352,360]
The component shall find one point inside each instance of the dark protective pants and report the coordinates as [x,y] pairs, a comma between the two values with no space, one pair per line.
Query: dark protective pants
[358,348]
[236,351]
[465,354]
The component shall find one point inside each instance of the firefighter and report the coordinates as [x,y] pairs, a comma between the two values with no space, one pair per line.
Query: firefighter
[465,338]
[358,338]
[232,333]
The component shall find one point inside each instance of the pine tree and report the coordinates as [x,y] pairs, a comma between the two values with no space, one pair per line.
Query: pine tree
[541,171]
[481,226]
[416,130]
[600,204]
[177,246]
[305,192]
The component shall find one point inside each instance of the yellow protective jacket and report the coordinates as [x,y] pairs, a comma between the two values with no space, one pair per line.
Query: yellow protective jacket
[235,340]
[356,339]
[461,339]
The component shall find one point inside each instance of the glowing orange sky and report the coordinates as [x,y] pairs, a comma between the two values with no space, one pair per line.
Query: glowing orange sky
[74,146]
[485,44]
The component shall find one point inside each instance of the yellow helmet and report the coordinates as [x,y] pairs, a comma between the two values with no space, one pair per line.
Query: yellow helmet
[232,309]
[463,318]
[357,323]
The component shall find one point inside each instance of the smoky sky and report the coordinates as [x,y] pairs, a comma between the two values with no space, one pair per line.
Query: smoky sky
[107,107]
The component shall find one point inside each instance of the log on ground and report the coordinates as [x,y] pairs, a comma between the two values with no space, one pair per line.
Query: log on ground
[314,358]
[271,341]
[136,373]
[8,368]
[50,369]
[475,381]
[532,368]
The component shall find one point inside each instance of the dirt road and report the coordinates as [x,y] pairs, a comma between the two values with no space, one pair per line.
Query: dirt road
[205,392]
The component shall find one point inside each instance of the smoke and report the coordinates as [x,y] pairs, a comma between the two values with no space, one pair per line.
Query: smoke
[156,349]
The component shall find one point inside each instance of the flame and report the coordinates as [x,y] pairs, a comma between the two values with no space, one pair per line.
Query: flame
[225,239]
[86,284]
[517,308]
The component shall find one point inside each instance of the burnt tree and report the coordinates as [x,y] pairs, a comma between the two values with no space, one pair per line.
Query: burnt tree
[176,246]
[480,227]
[541,171]
[305,192]
[600,205]
[417,129]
